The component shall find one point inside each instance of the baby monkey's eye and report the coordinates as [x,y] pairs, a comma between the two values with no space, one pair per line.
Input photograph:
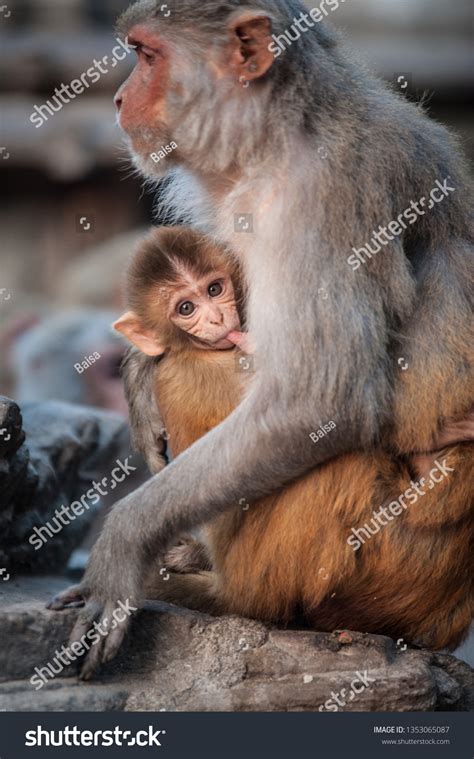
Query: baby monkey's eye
[215,289]
[186,309]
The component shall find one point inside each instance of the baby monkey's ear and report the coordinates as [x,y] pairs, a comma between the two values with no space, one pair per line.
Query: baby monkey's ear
[130,325]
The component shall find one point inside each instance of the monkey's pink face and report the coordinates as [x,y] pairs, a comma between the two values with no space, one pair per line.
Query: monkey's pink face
[141,100]
[205,308]
[167,97]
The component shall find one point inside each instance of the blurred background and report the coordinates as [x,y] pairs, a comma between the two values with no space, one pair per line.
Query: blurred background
[71,208]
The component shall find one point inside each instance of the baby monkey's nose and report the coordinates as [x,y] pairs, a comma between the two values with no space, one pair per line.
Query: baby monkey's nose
[217,317]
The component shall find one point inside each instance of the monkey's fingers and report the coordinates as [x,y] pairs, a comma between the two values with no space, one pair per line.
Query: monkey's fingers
[92,662]
[106,645]
[461,431]
[452,433]
[115,639]
[80,631]
[71,598]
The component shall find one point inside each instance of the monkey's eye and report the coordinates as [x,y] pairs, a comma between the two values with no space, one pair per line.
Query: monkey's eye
[215,289]
[149,57]
[186,309]
[146,53]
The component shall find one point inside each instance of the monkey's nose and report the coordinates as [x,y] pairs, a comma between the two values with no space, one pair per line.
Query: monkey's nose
[217,318]
[118,101]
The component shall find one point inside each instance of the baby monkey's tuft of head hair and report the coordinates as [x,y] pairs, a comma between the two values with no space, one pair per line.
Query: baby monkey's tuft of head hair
[182,292]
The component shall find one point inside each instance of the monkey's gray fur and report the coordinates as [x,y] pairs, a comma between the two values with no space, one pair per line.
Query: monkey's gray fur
[148,433]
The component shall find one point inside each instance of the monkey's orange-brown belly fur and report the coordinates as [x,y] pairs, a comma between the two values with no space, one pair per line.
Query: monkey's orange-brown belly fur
[286,558]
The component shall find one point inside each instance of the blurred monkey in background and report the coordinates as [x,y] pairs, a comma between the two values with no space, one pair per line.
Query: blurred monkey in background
[71,356]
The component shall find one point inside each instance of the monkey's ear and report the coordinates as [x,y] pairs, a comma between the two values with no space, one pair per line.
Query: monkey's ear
[251,37]
[144,339]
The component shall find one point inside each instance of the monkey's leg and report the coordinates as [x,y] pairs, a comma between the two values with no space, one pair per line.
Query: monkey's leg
[188,557]
[196,591]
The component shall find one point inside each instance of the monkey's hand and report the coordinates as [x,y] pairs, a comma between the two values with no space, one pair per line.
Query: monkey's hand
[452,433]
[461,431]
[108,603]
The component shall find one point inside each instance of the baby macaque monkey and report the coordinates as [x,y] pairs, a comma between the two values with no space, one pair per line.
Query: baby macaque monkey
[297,556]
[183,295]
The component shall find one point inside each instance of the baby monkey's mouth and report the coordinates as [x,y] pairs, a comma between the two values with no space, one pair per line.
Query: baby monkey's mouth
[223,343]
[219,343]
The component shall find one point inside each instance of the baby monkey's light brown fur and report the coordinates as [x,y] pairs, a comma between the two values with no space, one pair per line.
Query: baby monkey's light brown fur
[286,559]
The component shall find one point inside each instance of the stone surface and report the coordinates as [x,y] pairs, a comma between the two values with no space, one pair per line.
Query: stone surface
[49,455]
[179,660]
[61,696]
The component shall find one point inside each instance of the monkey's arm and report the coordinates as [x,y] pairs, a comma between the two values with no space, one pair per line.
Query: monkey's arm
[196,486]
[147,429]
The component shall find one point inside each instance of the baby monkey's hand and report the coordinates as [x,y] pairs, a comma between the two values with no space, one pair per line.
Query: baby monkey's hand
[452,433]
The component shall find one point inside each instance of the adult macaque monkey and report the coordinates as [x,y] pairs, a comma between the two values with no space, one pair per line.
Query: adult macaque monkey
[321,154]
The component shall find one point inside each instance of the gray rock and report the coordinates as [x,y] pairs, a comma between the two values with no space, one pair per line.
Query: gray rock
[49,458]
[61,696]
[179,660]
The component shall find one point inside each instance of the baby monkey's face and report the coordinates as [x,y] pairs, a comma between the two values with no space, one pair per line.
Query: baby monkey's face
[205,308]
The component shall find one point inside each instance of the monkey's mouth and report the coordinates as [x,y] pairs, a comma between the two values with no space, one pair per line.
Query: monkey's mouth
[220,343]
[213,345]
[223,343]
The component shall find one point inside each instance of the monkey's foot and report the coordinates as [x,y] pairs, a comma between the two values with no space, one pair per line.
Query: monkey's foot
[188,557]
[71,598]
[102,624]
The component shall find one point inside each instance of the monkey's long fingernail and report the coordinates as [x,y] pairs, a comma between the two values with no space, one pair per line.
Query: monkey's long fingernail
[55,604]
